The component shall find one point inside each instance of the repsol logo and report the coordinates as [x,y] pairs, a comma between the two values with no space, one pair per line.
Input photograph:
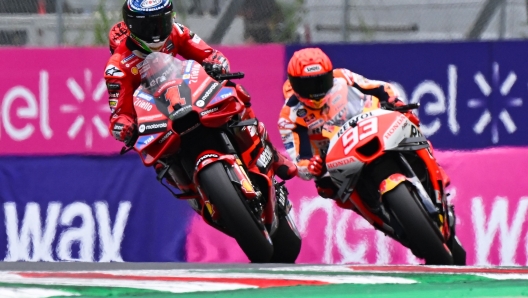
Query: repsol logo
[355,120]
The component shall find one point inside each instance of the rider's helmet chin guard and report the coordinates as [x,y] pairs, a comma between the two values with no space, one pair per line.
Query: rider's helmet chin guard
[311,76]
[150,22]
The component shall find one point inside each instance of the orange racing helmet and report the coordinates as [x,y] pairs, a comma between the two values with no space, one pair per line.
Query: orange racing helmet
[310,73]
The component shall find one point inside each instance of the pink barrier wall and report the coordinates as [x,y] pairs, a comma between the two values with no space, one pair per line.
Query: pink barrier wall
[54,101]
[489,190]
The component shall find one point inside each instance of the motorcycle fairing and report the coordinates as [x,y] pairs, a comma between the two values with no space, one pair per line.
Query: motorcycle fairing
[240,178]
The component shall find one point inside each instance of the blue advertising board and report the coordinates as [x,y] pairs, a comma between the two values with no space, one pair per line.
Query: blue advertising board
[472,95]
[88,208]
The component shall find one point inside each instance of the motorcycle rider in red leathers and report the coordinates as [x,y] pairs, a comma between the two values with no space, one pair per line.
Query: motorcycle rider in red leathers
[149,28]
[311,83]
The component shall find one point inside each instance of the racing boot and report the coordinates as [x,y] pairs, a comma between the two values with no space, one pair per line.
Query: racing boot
[282,166]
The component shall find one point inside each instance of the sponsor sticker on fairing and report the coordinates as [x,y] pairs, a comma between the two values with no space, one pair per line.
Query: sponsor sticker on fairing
[142,104]
[145,96]
[165,137]
[208,94]
[394,127]
[207,112]
[340,162]
[150,117]
[152,127]
[180,112]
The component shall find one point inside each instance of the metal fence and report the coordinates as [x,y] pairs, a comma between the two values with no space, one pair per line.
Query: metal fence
[231,22]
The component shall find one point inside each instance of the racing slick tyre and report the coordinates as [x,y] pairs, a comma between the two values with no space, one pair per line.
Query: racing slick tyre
[423,240]
[234,215]
[459,253]
[286,243]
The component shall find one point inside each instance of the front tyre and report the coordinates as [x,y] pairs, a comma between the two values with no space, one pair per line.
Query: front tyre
[233,213]
[419,229]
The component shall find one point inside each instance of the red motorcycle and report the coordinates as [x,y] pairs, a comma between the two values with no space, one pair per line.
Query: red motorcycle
[386,172]
[190,125]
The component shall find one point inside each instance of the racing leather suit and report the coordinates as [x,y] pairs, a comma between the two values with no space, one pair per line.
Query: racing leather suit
[123,78]
[302,128]
[122,73]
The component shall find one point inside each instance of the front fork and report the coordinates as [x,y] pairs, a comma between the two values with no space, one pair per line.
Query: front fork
[446,224]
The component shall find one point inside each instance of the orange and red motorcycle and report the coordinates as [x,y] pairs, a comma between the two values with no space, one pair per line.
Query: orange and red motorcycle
[385,171]
[190,125]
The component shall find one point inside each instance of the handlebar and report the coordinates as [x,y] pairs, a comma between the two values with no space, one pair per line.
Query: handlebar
[403,108]
[230,76]
[215,71]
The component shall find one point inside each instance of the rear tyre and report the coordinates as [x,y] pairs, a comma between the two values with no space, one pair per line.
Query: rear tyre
[286,243]
[459,253]
[234,215]
[419,229]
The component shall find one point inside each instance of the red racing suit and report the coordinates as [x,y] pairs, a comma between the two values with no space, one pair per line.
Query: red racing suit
[122,74]
[302,128]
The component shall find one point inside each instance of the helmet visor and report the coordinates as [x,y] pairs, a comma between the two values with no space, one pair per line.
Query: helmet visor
[151,29]
[313,87]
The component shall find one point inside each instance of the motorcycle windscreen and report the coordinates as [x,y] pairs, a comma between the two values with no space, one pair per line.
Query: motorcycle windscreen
[162,77]
[355,102]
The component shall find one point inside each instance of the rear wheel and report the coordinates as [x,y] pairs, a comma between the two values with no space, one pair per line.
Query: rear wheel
[423,240]
[234,215]
[286,243]
[459,253]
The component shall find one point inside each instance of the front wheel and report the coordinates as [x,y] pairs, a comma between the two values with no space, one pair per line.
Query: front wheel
[419,229]
[234,215]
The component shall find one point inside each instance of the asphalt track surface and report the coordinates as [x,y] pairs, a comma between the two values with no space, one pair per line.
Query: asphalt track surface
[250,280]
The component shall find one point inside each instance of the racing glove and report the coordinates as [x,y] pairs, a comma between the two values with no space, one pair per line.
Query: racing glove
[216,62]
[315,166]
[125,130]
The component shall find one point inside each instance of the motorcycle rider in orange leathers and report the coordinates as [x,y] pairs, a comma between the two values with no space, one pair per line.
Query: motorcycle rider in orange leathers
[312,103]
[149,27]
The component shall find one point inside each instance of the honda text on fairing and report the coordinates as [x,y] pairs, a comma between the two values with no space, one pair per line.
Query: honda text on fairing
[386,172]
[189,118]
